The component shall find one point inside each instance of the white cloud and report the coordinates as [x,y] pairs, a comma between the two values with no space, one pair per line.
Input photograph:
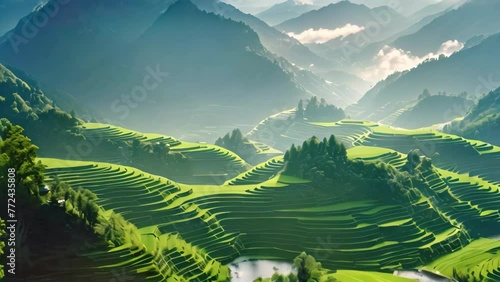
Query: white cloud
[323,35]
[390,60]
[304,2]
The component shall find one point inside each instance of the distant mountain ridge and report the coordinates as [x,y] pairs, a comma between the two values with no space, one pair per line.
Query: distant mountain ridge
[197,58]
[13,10]
[482,122]
[474,70]
[477,17]
[284,11]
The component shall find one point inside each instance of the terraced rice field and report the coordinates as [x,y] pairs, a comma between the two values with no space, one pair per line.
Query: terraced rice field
[208,164]
[259,173]
[451,152]
[190,232]
[198,229]
[155,205]
[461,198]
[481,257]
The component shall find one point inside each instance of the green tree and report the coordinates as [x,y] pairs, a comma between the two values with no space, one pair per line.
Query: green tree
[299,114]
[308,269]
[425,94]
[17,152]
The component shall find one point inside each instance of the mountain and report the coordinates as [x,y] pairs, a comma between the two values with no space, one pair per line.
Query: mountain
[482,122]
[13,10]
[209,60]
[329,17]
[77,37]
[405,7]
[436,8]
[305,65]
[474,70]
[284,11]
[472,18]
[347,22]
[273,39]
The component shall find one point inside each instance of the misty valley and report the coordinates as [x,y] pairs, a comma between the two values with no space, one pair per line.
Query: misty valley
[247,141]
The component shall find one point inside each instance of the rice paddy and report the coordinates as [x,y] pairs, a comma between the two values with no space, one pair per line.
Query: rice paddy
[191,231]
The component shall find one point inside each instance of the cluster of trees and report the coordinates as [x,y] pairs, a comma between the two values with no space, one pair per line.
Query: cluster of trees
[77,209]
[414,162]
[307,270]
[482,122]
[426,94]
[81,204]
[320,111]
[155,157]
[233,141]
[237,143]
[327,165]
[17,152]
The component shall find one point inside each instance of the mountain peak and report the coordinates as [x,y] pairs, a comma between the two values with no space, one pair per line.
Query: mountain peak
[182,6]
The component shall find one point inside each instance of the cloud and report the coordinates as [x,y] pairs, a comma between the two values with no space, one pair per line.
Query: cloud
[390,60]
[304,2]
[323,35]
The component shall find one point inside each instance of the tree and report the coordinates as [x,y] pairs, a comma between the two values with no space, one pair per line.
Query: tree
[92,212]
[299,115]
[17,152]
[307,268]
[463,95]
[425,94]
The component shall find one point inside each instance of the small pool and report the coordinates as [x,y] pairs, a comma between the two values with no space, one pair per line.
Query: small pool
[246,270]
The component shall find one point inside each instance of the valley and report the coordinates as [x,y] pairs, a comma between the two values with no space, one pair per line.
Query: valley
[188,140]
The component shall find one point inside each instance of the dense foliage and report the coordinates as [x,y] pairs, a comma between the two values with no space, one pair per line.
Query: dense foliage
[237,143]
[27,106]
[327,165]
[62,208]
[17,152]
[81,204]
[319,111]
[233,141]
[482,122]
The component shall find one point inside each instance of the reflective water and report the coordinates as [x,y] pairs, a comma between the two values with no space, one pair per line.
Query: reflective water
[245,270]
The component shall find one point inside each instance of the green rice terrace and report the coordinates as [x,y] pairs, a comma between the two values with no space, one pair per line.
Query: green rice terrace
[193,163]
[191,232]
[449,152]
